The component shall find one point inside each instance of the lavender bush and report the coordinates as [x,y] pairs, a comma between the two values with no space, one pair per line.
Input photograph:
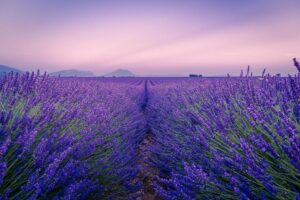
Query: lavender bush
[227,138]
[180,138]
[67,138]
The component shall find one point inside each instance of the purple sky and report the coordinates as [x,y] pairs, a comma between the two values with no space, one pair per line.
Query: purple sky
[211,37]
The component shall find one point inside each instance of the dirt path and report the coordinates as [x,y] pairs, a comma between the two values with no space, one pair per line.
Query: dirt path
[147,173]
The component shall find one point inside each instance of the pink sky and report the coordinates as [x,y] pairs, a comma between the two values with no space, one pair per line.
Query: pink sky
[174,37]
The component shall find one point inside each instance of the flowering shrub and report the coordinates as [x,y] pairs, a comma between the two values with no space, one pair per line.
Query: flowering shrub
[227,138]
[204,138]
[68,138]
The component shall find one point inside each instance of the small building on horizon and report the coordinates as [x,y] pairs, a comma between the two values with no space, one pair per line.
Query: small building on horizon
[195,76]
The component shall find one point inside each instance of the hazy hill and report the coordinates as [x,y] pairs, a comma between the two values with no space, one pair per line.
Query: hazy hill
[5,69]
[120,73]
[72,73]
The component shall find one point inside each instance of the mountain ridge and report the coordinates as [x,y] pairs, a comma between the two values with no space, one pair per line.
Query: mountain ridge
[6,69]
[72,73]
[120,73]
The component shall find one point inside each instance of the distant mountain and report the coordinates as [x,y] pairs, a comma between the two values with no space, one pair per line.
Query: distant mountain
[120,73]
[72,73]
[5,69]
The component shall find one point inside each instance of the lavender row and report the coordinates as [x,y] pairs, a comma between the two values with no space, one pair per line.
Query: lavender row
[226,138]
[68,138]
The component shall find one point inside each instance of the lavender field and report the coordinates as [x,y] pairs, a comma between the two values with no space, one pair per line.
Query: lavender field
[149,138]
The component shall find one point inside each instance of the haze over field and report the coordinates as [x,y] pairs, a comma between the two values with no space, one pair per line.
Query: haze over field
[150,37]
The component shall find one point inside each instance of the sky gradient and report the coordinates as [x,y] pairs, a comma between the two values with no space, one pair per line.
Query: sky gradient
[211,37]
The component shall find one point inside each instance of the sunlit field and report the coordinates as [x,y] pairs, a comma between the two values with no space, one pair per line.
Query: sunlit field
[149,138]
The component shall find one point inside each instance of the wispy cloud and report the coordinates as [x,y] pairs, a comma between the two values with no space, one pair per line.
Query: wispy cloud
[157,37]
